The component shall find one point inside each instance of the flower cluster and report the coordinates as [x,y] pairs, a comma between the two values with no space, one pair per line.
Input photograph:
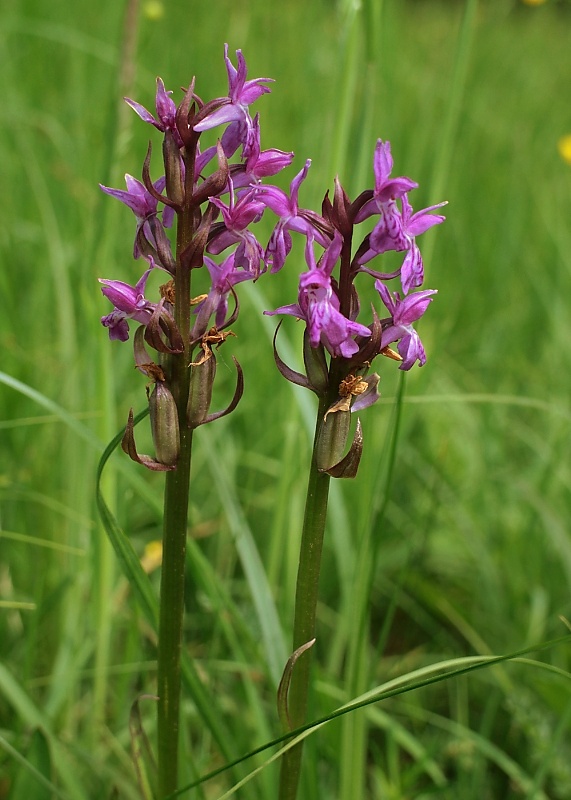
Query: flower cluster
[217,195]
[178,192]
[328,301]
[320,299]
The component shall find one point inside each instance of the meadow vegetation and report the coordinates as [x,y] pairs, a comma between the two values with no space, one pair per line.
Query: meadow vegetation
[453,541]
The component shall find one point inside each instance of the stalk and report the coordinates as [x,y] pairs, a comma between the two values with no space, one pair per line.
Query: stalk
[175,525]
[305,609]
[171,616]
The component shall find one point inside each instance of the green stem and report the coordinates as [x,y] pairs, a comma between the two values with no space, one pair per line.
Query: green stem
[305,610]
[171,616]
[175,524]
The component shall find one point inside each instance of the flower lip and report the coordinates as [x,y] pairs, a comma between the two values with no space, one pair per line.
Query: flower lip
[318,305]
[399,328]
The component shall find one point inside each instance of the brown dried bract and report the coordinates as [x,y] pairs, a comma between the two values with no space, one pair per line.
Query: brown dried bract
[153,371]
[167,291]
[352,385]
[212,338]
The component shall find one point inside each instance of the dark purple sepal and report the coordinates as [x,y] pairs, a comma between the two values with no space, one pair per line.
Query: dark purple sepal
[319,223]
[174,173]
[363,248]
[144,248]
[289,374]
[209,108]
[185,115]
[360,201]
[143,361]
[215,183]
[341,211]
[192,256]
[164,255]
[129,447]
[231,319]
[148,183]
[370,347]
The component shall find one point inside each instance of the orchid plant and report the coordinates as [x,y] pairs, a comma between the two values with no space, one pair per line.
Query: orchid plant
[217,195]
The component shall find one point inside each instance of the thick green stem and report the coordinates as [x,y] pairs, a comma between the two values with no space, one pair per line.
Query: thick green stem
[175,524]
[305,610]
[171,617]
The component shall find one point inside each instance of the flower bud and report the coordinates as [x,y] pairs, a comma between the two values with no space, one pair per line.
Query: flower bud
[332,439]
[200,393]
[164,424]
[173,169]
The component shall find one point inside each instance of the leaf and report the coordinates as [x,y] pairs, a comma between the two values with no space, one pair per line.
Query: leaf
[417,679]
[148,601]
[283,688]
[34,781]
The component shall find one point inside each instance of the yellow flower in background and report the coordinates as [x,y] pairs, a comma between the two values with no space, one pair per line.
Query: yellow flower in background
[564,147]
[152,557]
[533,2]
[154,10]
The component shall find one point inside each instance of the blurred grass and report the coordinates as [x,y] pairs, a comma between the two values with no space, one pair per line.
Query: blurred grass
[470,550]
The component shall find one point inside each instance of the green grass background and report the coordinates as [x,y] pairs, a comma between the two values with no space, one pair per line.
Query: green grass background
[454,538]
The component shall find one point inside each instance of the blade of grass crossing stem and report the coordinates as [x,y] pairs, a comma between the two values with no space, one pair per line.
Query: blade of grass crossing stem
[143,590]
[417,679]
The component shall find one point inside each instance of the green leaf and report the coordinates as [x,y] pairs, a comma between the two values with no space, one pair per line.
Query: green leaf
[149,603]
[34,781]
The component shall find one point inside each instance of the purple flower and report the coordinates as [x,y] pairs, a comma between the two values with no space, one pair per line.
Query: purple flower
[241,94]
[166,112]
[318,305]
[143,205]
[397,231]
[237,215]
[386,188]
[403,313]
[259,163]
[129,302]
[224,276]
[291,219]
